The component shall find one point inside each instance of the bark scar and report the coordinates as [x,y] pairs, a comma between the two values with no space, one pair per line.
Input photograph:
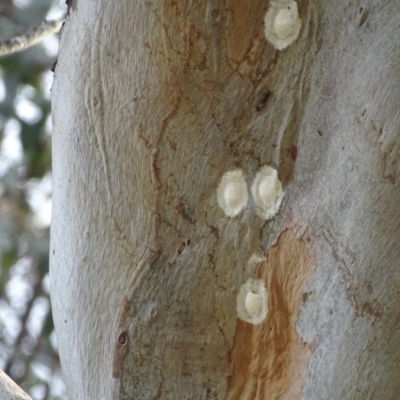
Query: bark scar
[121,348]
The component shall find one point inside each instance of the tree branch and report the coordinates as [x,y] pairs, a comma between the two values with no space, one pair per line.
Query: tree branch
[10,390]
[31,37]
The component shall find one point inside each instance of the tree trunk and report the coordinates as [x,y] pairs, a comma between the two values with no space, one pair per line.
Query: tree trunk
[178,271]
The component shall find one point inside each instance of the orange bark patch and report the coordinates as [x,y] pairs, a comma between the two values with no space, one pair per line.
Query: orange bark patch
[269,359]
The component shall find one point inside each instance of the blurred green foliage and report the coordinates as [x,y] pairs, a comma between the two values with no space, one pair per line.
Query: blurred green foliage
[27,343]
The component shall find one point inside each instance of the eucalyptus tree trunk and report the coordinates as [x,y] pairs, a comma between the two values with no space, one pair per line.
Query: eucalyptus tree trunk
[226,211]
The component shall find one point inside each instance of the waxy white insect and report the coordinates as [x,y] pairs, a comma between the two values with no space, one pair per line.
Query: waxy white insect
[252,302]
[282,23]
[232,192]
[267,192]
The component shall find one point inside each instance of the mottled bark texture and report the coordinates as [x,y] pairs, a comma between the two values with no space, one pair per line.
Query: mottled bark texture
[153,102]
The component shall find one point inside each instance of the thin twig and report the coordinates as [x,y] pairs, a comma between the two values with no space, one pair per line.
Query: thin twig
[31,37]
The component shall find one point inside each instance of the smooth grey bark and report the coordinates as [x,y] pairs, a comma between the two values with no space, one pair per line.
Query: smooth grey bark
[153,102]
